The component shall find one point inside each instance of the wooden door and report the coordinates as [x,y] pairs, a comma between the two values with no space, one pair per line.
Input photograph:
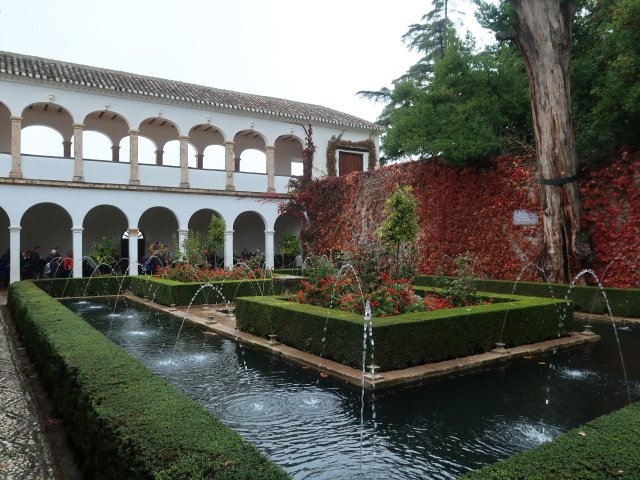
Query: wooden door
[350,162]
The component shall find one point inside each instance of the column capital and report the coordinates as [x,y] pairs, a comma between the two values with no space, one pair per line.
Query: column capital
[269,232]
[183,138]
[78,126]
[270,148]
[14,228]
[229,143]
[229,232]
[77,229]
[134,132]
[15,118]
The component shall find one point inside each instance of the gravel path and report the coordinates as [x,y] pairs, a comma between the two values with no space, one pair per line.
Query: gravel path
[24,452]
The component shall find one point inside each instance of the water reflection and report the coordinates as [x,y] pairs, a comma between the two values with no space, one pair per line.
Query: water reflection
[440,430]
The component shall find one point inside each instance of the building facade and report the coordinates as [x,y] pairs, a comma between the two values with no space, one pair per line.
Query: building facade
[195,140]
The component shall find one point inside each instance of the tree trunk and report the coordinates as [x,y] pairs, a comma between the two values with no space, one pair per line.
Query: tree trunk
[543,37]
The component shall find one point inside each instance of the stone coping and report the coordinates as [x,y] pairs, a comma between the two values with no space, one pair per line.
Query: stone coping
[216,321]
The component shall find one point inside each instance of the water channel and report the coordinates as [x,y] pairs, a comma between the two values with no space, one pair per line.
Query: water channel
[312,426]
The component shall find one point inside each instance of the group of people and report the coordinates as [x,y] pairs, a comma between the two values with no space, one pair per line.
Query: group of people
[33,265]
[159,258]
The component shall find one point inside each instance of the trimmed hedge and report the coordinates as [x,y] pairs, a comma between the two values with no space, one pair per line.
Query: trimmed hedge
[624,302]
[164,292]
[606,448]
[80,287]
[125,421]
[405,340]
[167,292]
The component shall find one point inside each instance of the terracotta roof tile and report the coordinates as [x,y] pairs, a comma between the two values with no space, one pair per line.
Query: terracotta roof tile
[93,77]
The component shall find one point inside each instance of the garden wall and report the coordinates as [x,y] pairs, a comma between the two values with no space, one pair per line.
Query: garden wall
[472,210]
[406,340]
[125,421]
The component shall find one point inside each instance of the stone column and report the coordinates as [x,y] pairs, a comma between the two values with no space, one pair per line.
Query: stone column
[133,157]
[229,164]
[183,233]
[66,148]
[184,162]
[115,153]
[78,175]
[14,259]
[133,251]
[268,248]
[76,239]
[228,249]
[271,168]
[200,161]
[16,156]
[159,153]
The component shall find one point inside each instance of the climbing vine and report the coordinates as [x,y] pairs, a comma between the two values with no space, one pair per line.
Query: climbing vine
[472,210]
[336,143]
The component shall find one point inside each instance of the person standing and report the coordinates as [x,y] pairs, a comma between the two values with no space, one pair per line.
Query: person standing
[67,265]
[36,262]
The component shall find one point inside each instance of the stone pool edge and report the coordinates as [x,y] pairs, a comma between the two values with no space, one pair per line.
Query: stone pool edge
[212,319]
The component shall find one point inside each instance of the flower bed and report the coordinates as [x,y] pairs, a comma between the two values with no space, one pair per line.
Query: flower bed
[410,339]
[186,273]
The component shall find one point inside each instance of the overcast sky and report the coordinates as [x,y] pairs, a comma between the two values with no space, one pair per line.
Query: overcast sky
[319,52]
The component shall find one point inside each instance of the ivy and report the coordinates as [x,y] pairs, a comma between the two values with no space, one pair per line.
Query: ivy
[471,210]
[336,142]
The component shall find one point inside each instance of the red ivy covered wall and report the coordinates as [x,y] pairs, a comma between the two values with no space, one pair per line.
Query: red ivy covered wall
[471,210]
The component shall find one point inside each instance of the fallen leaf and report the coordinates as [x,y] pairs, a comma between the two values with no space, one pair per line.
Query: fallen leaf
[582,433]
[228,464]
[305,368]
[529,356]
[324,375]
[541,363]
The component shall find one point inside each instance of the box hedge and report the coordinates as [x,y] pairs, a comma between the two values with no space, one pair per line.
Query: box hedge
[606,448]
[624,302]
[125,422]
[164,292]
[405,340]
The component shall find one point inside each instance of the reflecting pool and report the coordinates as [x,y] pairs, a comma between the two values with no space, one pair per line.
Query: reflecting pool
[318,428]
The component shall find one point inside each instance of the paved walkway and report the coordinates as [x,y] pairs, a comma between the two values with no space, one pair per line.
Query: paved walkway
[24,452]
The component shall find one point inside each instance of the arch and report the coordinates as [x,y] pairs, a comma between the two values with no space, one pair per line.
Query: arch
[253,161]
[284,224]
[159,224]
[205,134]
[113,125]
[96,145]
[42,140]
[102,221]
[160,131]
[248,233]
[146,150]
[47,225]
[171,155]
[214,157]
[199,222]
[5,128]
[49,115]
[288,155]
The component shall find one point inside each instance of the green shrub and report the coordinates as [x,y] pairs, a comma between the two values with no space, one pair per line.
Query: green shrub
[624,302]
[603,449]
[405,340]
[126,422]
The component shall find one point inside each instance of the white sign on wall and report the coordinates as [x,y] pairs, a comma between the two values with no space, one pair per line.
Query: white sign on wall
[525,217]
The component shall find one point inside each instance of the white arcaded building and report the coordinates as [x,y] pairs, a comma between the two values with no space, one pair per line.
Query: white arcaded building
[195,138]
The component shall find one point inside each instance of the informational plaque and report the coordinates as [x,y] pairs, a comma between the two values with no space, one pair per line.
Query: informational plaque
[525,217]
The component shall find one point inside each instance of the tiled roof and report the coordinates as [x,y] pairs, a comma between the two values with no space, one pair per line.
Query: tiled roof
[100,78]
